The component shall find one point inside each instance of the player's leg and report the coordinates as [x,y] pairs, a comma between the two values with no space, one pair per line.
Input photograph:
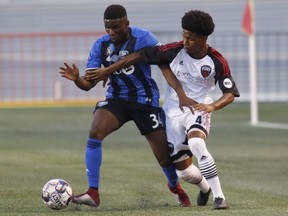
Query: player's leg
[182,156]
[104,122]
[198,127]
[187,171]
[158,143]
[151,123]
[196,142]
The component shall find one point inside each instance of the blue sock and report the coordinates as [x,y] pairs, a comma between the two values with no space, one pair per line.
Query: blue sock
[93,161]
[171,175]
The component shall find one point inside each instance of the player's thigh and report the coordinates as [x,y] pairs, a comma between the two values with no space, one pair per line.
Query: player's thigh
[108,116]
[175,130]
[177,139]
[148,119]
[104,122]
[198,123]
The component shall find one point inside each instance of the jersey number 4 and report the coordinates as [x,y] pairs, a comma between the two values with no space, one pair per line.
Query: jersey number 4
[199,120]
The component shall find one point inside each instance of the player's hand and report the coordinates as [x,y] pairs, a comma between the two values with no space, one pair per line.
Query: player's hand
[187,102]
[206,108]
[71,73]
[97,75]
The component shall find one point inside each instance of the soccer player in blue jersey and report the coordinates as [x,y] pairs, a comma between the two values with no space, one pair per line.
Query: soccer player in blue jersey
[132,95]
[198,67]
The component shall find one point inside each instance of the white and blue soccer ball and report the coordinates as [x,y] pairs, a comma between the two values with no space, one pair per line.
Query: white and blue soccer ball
[57,194]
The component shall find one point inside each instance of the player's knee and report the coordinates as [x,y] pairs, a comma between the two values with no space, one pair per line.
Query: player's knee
[191,174]
[96,133]
[164,162]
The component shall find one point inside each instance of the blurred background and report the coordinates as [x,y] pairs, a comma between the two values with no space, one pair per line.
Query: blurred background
[37,36]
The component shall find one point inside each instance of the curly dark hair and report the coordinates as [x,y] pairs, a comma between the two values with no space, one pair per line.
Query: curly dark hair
[115,11]
[198,22]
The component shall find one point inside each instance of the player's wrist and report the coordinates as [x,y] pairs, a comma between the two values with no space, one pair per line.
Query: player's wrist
[77,78]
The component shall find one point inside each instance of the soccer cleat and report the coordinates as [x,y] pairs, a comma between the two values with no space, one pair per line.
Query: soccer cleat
[90,198]
[203,198]
[220,203]
[180,196]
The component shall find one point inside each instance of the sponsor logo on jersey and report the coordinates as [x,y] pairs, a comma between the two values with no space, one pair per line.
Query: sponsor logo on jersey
[227,83]
[205,70]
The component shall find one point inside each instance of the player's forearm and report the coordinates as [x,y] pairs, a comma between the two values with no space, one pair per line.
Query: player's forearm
[226,99]
[172,80]
[124,62]
[83,84]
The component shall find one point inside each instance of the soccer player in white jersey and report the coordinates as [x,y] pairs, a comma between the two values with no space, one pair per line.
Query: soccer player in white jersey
[198,67]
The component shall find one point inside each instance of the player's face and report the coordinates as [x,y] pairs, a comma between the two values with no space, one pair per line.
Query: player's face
[118,29]
[194,44]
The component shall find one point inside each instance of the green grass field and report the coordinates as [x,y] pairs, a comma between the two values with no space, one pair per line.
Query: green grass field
[38,144]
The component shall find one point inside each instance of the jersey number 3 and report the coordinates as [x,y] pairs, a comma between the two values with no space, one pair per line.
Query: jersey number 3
[156,120]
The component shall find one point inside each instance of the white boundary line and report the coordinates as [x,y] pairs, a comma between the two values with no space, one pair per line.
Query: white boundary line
[272,125]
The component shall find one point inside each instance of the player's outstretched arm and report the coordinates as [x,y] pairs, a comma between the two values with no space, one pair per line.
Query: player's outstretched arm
[72,73]
[103,73]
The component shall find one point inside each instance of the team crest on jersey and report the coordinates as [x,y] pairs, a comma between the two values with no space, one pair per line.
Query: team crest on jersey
[205,70]
[123,53]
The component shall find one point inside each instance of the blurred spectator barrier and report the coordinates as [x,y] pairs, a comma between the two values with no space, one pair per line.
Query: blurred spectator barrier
[29,64]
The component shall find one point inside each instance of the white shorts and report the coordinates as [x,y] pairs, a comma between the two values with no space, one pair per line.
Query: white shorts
[177,129]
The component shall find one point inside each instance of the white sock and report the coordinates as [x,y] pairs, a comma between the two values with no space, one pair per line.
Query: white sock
[216,187]
[207,165]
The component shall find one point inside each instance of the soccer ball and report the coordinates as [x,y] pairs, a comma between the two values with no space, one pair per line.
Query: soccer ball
[56,194]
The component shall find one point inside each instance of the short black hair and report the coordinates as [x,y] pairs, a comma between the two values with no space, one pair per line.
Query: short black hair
[115,11]
[199,22]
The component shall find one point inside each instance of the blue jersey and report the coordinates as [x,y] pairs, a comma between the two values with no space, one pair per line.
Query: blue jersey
[133,83]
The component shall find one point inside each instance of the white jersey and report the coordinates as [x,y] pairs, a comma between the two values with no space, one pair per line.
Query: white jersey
[197,76]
